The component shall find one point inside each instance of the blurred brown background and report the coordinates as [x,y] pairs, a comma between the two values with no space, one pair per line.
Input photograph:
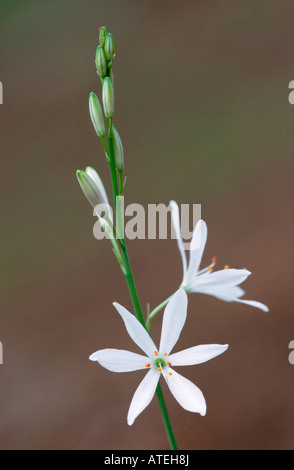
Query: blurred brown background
[202,106]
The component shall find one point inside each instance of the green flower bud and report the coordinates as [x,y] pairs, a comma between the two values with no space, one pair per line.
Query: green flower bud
[102,35]
[108,97]
[100,61]
[89,188]
[94,191]
[98,183]
[109,47]
[117,149]
[96,115]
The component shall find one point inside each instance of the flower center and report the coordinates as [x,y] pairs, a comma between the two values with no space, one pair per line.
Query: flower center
[159,362]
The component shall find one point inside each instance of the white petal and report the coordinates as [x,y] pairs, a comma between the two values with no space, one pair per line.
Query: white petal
[197,246]
[177,227]
[143,395]
[222,278]
[185,392]
[222,286]
[229,292]
[233,294]
[253,303]
[136,330]
[197,354]
[89,188]
[98,181]
[226,293]
[174,318]
[118,360]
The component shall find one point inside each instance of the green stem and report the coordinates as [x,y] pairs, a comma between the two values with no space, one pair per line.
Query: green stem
[133,290]
[166,420]
[156,310]
[121,182]
[112,163]
[131,284]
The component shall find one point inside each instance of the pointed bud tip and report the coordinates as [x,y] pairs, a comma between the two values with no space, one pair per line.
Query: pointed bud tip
[80,174]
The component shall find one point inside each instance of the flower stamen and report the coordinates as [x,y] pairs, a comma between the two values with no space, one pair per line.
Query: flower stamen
[208,268]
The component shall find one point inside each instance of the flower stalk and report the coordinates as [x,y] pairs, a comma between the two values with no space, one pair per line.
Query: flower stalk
[114,154]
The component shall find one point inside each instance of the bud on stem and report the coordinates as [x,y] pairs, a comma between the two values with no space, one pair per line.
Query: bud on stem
[101,62]
[94,191]
[89,188]
[102,35]
[109,46]
[96,115]
[117,149]
[108,97]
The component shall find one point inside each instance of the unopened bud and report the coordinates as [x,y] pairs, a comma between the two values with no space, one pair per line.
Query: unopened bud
[102,35]
[100,61]
[96,115]
[98,182]
[109,46]
[93,188]
[94,191]
[117,149]
[108,97]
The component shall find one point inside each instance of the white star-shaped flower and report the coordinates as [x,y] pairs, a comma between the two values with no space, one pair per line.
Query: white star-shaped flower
[160,361]
[223,284]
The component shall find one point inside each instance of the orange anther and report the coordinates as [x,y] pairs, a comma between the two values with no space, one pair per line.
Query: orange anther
[155,353]
[170,373]
[214,259]
[168,363]
[227,266]
[147,365]
[159,369]
[165,354]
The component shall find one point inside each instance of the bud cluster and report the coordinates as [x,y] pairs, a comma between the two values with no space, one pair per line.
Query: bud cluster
[104,53]
[89,179]
[103,60]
